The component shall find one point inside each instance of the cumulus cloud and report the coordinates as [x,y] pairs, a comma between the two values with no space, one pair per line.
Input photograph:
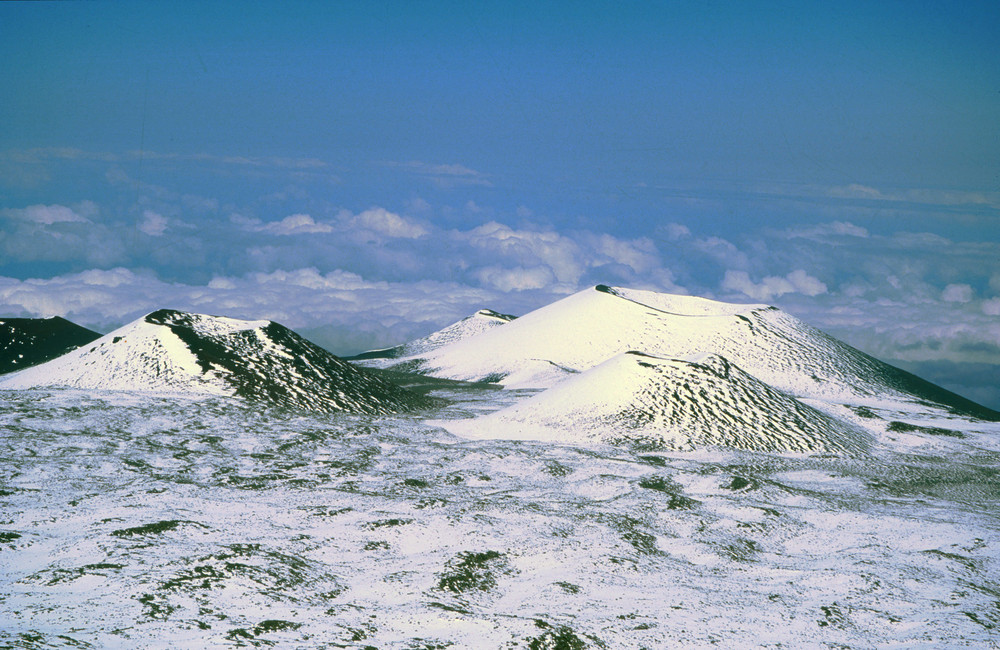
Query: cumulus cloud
[389,224]
[676,231]
[991,307]
[957,293]
[771,287]
[528,248]
[351,312]
[153,224]
[515,279]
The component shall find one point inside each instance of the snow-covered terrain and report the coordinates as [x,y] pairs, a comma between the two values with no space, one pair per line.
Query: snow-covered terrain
[192,354]
[482,321]
[695,474]
[577,333]
[544,347]
[636,399]
[137,521]
[26,342]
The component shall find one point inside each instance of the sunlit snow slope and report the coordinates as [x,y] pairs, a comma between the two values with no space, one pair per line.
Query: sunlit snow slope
[546,346]
[670,404]
[482,321]
[25,342]
[175,352]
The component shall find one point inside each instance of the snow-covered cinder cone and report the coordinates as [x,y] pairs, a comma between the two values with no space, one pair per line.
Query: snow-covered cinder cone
[639,400]
[173,352]
[482,321]
[575,334]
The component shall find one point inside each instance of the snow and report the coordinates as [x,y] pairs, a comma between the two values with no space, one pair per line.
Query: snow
[544,347]
[482,321]
[673,404]
[675,478]
[170,352]
[139,356]
[268,527]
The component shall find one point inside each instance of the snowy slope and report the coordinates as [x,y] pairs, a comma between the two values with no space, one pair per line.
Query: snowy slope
[544,347]
[656,403]
[25,342]
[482,321]
[175,352]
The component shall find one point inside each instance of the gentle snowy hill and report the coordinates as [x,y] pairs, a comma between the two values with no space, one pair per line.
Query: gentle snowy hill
[656,403]
[544,347]
[482,321]
[26,342]
[175,352]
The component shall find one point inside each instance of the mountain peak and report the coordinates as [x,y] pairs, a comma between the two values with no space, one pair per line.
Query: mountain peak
[479,322]
[25,342]
[170,351]
[575,334]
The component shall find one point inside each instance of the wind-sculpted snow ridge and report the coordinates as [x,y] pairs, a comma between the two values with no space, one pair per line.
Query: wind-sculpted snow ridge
[25,342]
[175,352]
[482,321]
[572,335]
[653,403]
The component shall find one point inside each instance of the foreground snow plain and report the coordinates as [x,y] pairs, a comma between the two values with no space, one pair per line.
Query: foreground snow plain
[136,521]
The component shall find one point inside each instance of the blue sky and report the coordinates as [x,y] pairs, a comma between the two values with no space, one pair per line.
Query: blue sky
[367,172]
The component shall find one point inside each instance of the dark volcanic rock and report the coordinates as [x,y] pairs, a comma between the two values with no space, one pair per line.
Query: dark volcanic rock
[26,342]
[274,364]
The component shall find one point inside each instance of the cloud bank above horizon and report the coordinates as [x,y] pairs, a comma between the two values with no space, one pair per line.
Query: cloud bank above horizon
[370,174]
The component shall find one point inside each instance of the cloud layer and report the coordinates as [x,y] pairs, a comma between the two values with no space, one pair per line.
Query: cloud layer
[376,276]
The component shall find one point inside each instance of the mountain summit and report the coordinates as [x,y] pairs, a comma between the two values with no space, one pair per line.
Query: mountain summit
[170,351]
[482,321]
[577,333]
[26,342]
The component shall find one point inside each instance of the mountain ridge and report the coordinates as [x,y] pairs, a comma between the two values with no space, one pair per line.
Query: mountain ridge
[25,342]
[550,344]
[170,351]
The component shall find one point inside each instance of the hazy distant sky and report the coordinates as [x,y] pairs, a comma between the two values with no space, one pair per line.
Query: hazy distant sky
[367,172]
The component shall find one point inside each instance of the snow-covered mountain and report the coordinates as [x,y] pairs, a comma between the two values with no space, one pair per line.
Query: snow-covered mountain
[482,321]
[575,334]
[657,403]
[175,352]
[26,342]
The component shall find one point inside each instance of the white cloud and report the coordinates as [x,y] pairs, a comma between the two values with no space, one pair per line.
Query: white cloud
[45,214]
[806,284]
[957,293]
[515,279]
[295,224]
[771,287]
[825,230]
[355,313]
[153,224]
[676,231]
[721,251]
[991,307]
[917,195]
[389,224]
[527,249]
